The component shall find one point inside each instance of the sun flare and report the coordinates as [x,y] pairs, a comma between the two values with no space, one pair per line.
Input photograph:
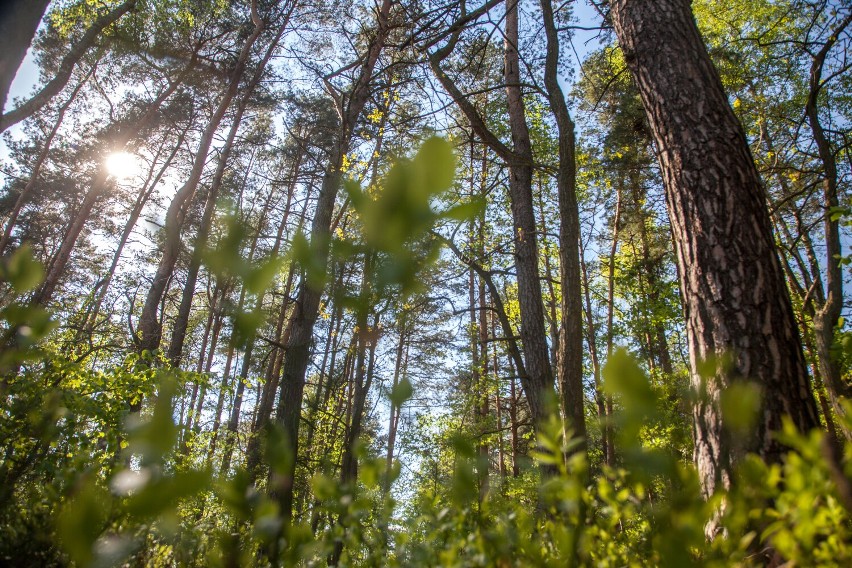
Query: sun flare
[122,165]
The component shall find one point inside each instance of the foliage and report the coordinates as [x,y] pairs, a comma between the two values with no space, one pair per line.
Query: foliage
[113,457]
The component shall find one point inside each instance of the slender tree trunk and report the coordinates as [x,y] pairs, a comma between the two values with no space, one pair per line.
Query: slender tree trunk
[591,340]
[827,316]
[514,427]
[307,304]
[610,316]
[483,389]
[570,371]
[393,419]
[498,405]
[96,191]
[537,378]
[236,408]
[368,335]
[658,347]
[40,160]
[181,322]
[539,387]
[130,224]
[735,299]
[150,326]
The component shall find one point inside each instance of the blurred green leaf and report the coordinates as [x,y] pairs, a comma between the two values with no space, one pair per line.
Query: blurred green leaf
[82,519]
[401,392]
[740,404]
[21,270]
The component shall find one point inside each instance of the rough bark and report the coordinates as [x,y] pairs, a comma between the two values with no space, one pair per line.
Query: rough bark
[734,296]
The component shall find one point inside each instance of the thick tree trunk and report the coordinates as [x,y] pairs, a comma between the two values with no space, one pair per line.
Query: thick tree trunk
[19,21]
[735,301]
[66,66]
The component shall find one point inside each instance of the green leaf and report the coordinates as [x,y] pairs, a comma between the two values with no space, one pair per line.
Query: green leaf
[740,404]
[21,270]
[162,495]
[82,519]
[465,211]
[436,163]
[401,392]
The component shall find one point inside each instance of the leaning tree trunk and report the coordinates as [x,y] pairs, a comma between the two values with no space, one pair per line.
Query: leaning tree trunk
[150,327]
[66,66]
[24,196]
[98,189]
[175,350]
[734,296]
[19,20]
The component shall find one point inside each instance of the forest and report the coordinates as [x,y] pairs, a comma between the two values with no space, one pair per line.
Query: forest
[425,283]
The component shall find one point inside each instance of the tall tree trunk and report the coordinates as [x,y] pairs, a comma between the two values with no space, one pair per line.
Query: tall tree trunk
[282,336]
[144,195]
[591,340]
[483,387]
[610,317]
[658,347]
[570,370]
[98,189]
[19,21]
[537,378]
[539,387]
[307,303]
[827,316]
[150,326]
[66,66]
[236,407]
[368,335]
[393,419]
[182,320]
[40,160]
[514,426]
[735,300]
